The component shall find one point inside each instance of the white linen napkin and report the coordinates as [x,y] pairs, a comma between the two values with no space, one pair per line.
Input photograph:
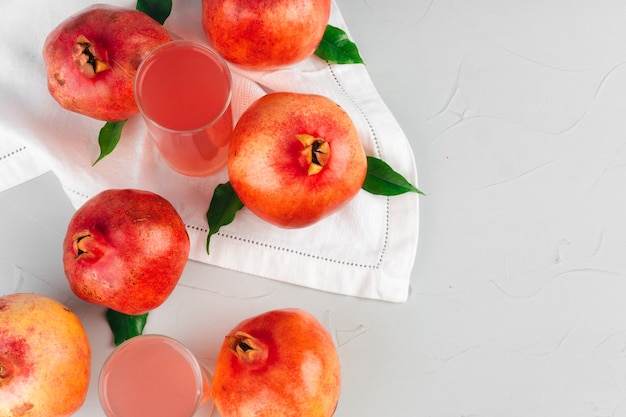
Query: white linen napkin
[367,249]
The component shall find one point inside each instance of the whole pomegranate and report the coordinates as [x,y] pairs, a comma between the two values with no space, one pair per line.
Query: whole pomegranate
[295,158]
[265,34]
[45,358]
[126,250]
[91,59]
[281,363]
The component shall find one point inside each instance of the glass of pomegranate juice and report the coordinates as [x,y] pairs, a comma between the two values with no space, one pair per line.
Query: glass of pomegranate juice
[183,90]
[156,376]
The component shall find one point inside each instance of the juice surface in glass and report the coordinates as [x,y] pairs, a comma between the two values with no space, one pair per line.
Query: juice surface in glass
[183,90]
[150,375]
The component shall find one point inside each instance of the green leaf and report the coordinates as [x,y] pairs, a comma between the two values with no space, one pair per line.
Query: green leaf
[222,209]
[159,10]
[337,48]
[109,137]
[381,179]
[125,326]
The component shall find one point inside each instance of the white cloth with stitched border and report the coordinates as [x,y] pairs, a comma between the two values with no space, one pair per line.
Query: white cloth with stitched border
[367,249]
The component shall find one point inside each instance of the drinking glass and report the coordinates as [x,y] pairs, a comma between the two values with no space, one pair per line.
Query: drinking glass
[154,375]
[183,90]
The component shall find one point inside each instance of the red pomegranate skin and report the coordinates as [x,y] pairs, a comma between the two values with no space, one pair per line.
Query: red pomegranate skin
[125,249]
[121,38]
[267,169]
[281,363]
[265,34]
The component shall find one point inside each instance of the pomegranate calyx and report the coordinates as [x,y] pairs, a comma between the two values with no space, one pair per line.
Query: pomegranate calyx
[87,58]
[248,348]
[5,373]
[316,152]
[86,246]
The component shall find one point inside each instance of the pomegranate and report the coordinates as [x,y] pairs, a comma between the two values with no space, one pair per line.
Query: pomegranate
[267,34]
[295,159]
[126,250]
[91,59]
[45,358]
[281,363]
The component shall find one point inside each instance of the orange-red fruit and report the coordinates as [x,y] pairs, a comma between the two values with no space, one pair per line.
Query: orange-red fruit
[267,34]
[281,363]
[272,155]
[45,358]
[126,250]
[91,59]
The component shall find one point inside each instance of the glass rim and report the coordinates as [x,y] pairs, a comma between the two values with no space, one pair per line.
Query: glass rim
[193,362]
[205,49]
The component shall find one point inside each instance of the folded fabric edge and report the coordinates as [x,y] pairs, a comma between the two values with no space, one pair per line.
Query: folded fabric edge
[328,276]
[18,164]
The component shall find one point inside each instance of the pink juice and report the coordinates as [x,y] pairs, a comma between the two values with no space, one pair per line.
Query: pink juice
[151,375]
[183,91]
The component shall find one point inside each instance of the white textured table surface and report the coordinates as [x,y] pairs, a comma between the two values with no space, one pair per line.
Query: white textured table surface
[515,111]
